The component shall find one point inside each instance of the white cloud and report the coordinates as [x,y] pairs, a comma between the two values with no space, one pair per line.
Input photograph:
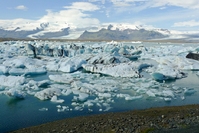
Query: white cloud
[102,1]
[83,6]
[180,3]
[142,4]
[191,23]
[71,16]
[21,7]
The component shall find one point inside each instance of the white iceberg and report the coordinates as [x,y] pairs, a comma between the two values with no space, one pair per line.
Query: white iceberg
[11,81]
[47,93]
[16,93]
[130,69]
[56,100]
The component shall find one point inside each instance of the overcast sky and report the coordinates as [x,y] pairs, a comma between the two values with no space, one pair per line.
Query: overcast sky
[169,14]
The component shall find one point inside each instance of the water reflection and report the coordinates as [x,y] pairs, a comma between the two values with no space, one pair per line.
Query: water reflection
[14,101]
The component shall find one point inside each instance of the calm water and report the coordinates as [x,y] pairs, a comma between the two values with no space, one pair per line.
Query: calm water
[17,114]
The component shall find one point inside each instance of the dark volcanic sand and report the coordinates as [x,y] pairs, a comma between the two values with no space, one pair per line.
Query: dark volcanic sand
[181,119]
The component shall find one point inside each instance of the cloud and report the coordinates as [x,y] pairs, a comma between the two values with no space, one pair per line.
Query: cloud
[83,6]
[191,23]
[102,1]
[21,7]
[71,16]
[143,4]
[179,3]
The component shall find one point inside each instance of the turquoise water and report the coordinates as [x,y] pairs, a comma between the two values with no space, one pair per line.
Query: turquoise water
[16,114]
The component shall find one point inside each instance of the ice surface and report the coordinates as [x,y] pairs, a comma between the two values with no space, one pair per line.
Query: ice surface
[16,93]
[56,100]
[11,81]
[111,71]
[48,93]
[130,69]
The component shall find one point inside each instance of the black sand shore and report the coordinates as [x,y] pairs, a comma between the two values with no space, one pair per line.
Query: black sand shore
[180,119]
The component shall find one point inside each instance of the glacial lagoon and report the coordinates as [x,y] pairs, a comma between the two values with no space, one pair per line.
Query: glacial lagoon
[91,78]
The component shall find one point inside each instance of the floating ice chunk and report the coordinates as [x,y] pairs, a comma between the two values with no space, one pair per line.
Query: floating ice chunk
[47,93]
[66,92]
[78,108]
[43,83]
[150,93]
[71,64]
[88,103]
[167,99]
[16,93]
[189,91]
[52,66]
[43,109]
[3,69]
[35,71]
[58,106]
[104,95]
[130,69]
[168,93]
[83,97]
[23,62]
[54,99]
[11,81]
[16,71]
[107,59]
[32,71]
[123,51]
[130,98]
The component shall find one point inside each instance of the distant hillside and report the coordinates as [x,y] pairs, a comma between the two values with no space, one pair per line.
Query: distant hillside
[22,34]
[16,34]
[127,34]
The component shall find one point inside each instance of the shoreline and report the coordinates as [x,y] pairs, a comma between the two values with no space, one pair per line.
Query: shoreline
[160,119]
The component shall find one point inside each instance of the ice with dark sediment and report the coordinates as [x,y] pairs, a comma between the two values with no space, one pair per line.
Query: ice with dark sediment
[94,74]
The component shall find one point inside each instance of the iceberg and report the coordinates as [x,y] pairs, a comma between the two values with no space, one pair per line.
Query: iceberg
[16,93]
[54,99]
[71,64]
[130,69]
[48,93]
[11,81]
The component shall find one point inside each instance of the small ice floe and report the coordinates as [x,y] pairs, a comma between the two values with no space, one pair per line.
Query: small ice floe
[3,70]
[56,100]
[167,99]
[47,93]
[189,91]
[66,92]
[43,109]
[31,71]
[15,93]
[128,97]
[11,81]
[62,108]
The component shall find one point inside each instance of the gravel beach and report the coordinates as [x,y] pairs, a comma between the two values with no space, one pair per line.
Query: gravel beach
[180,119]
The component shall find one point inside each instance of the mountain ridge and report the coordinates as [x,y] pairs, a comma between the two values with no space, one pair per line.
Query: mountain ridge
[63,30]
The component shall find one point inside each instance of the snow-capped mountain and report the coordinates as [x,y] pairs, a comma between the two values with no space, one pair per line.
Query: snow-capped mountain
[22,28]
